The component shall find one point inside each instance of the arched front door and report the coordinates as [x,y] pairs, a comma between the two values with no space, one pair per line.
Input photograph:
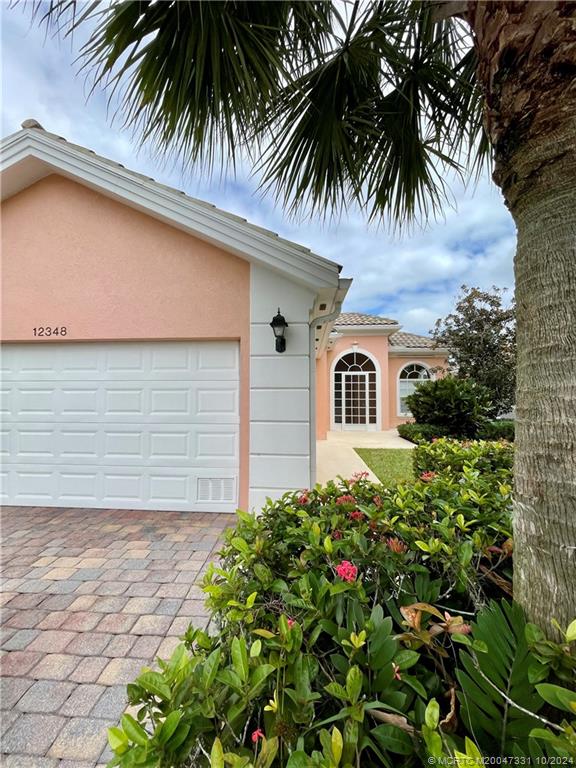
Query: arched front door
[355,397]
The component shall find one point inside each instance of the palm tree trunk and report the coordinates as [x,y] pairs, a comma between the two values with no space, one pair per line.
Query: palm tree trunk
[527,67]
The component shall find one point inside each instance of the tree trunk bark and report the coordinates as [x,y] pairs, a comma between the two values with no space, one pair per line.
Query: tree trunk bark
[527,68]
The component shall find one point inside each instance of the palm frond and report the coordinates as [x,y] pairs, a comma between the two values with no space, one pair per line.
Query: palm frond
[491,681]
[371,102]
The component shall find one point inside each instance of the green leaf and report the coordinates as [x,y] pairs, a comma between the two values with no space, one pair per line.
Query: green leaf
[134,730]
[154,683]
[571,632]
[258,676]
[169,726]
[432,714]
[335,689]
[210,669]
[255,649]
[336,745]
[406,659]
[559,697]
[298,759]
[393,739]
[118,740]
[240,658]
[354,681]
[217,754]
[265,633]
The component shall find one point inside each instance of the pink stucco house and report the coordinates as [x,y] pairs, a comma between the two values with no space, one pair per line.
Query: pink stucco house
[366,370]
[139,368]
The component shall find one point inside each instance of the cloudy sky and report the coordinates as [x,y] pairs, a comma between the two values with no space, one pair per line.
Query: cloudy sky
[413,276]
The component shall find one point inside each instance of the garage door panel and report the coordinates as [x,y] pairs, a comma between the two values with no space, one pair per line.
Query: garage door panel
[210,402]
[137,425]
[179,445]
[160,361]
[125,488]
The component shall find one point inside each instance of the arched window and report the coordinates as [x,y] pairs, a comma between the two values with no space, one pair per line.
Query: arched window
[355,390]
[410,376]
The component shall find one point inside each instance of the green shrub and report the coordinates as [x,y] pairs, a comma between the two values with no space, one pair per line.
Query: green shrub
[459,405]
[501,429]
[445,454]
[330,650]
[421,433]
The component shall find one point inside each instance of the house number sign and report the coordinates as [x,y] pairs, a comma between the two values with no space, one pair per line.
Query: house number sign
[49,330]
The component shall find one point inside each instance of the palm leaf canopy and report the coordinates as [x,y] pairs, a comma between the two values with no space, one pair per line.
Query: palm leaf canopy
[370,102]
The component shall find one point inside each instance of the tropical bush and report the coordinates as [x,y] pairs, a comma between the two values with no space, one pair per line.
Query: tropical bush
[454,456]
[500,429]
[336,619]
[421,433]
[461,406]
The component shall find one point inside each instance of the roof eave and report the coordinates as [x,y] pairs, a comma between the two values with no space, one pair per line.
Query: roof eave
[430,351]
[367,330]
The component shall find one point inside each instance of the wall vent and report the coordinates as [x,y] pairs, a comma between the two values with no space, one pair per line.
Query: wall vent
[216,489]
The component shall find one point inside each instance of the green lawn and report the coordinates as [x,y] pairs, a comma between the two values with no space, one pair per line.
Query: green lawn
[390,465]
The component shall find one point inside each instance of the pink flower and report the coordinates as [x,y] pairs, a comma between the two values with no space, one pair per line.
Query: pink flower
[291,623]
[356,515]
[347,571]
[359,476]
[303,498]
[336,534]
[396,670]
[257,734]
[427,476]
[346,499]
[377,500]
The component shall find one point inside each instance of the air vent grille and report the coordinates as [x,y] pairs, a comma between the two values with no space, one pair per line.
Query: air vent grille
[216,489]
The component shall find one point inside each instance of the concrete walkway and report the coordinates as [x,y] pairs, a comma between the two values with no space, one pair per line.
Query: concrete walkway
[89,597]
[336,455]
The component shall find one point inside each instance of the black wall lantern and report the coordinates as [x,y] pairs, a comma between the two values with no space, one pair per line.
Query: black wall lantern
[279,326]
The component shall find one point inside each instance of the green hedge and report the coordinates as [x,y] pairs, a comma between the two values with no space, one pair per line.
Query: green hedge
[444,454]
[502,429]
[421,433]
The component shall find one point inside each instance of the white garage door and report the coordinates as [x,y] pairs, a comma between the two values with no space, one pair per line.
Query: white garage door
[136,425]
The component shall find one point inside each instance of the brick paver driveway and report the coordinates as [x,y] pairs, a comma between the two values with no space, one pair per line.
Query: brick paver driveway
[89,597]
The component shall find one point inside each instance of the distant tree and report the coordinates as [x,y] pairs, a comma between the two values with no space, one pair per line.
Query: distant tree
[481,337]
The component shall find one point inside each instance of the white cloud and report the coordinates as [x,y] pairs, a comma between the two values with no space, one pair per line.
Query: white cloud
[413,276]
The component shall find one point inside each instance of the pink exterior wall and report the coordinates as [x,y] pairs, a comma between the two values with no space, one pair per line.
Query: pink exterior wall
[395,365]
[74,257]
[389,369]
[378,348]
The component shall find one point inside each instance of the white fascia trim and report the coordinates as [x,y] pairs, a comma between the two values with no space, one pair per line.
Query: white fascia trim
[409,351]
[366,330]
[200,219]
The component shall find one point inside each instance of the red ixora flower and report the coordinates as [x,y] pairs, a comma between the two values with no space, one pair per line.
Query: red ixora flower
[427,476]
[347,571]
[303,498]
[291,623]
[395,545]
[336,534]
[257,734]
[356,515]
[346,499]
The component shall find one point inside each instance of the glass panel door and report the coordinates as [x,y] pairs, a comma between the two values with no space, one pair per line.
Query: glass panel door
[355,399]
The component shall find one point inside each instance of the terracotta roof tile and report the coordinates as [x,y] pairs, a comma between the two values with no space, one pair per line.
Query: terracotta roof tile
[402,339]
[357,318]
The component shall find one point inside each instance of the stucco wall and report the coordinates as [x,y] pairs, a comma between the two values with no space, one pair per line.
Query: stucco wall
[395,365]
[377,346]
[75,258]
